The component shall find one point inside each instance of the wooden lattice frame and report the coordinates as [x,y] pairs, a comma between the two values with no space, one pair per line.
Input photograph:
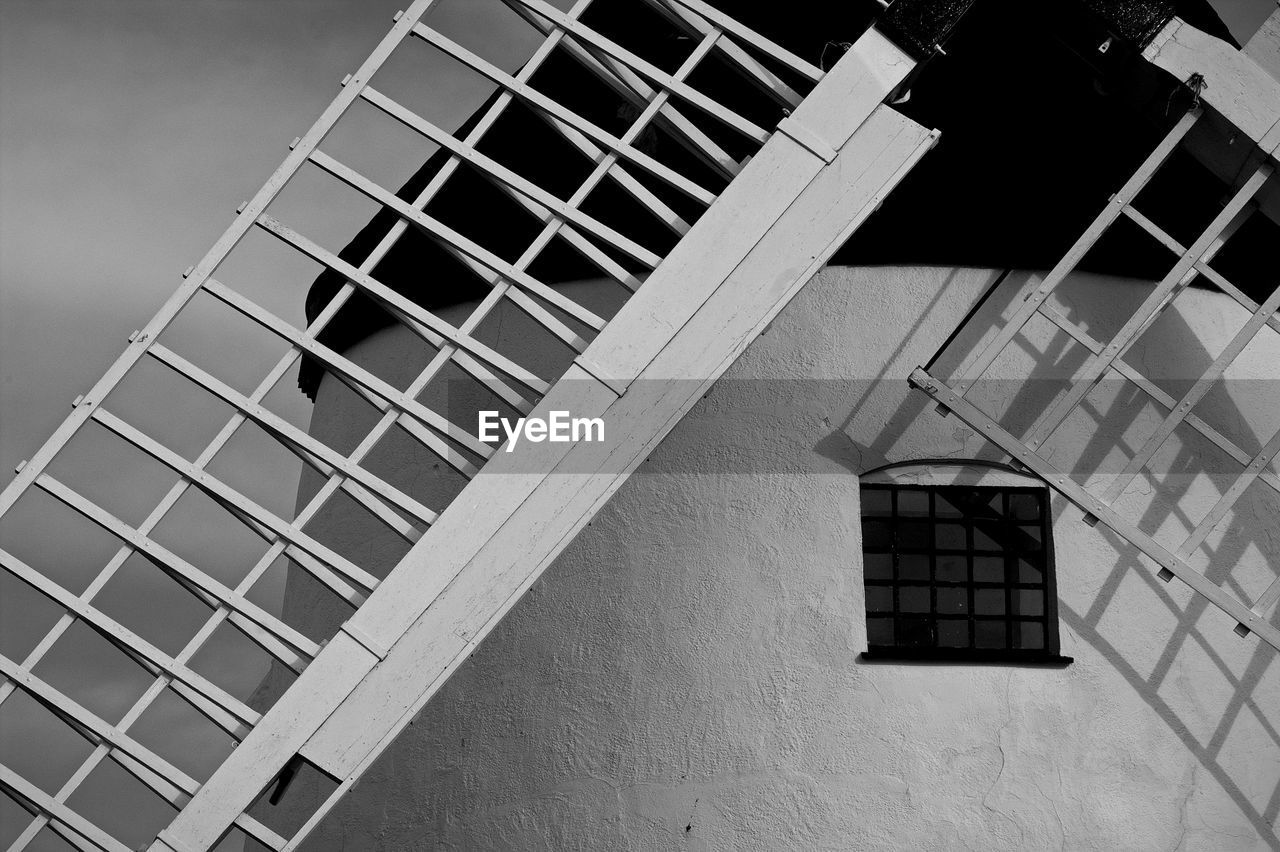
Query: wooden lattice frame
[209,811]
[1107,357]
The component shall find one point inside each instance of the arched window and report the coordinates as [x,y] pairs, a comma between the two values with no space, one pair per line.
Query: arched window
[958,563]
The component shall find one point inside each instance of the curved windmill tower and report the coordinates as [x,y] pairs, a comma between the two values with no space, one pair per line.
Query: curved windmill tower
[916,374]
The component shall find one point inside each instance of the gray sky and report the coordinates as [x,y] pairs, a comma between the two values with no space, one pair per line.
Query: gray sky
[129,132]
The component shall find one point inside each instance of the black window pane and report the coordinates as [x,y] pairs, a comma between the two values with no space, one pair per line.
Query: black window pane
[953,601]
[950,537]
[915,632]
[1030,538]
[953,568]
[1030,601]
[990,634]
[879,599]
[946,505]
[913,503]
[953,633]
[880,631]
[1031,635]
[875,534]
[915,535]
[913,599]
[1024,506]
[988,601]
[878,566]
[988,569]
[877,502]
[1029,572]
[913,566]
[990,537]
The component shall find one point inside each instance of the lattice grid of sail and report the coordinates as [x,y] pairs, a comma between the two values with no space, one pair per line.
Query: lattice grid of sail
[192,390]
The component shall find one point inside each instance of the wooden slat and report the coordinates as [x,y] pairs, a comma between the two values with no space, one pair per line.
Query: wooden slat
[1085,378]
[663,80]
[1156,393]
[1063,484]
[84,834]
[631,86]
[304,444]
[356,376]
[1202,266]
[742,61]
[160,776]
[411,313]
[451,239]
[211,701]
[1192,397]
[749,36]
[165,779]
[1072,258]
[538,101]
[555,39]
[234,501]
[274,636]
[544,203]
[1268,599]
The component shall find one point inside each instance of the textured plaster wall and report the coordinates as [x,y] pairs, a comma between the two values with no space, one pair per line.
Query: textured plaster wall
[686,675]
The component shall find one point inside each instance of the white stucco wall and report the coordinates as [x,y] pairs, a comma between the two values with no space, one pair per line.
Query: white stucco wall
[686,676]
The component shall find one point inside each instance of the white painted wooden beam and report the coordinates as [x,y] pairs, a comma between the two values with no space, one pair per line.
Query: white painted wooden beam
[749,254]
[1234,84]
[1264,47]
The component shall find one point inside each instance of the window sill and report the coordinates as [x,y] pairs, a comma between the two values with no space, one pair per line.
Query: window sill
[932,656]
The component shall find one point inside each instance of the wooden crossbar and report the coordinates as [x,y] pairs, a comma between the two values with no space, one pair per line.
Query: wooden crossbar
[1155,303]
[983,424]
[1114,208]
[434,330]
[749,36]
[457,243]
[309,448]
[327,566]
[274,636]
[1108,357]
[540,202]
[541,102]
[420,421]
[69,824]
[1156,393]
[739,59]
[1202,265]
[631,86]
[210,700]
[1192,397]
[663,80]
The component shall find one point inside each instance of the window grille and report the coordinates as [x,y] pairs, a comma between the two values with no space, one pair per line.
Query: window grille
[958,572]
